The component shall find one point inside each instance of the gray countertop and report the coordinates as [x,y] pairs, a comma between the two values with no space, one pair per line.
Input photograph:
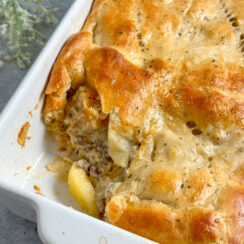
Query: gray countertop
[14,229]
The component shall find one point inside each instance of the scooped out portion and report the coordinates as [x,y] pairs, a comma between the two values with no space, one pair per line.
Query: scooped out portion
[149,109]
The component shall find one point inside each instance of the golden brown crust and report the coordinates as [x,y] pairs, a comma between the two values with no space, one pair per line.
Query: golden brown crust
[54,103]
[68,66]
[153,220]
[67,73]
[111,31]
[164,224]
[204,105]
[124,85]
[172,72]
[231,202]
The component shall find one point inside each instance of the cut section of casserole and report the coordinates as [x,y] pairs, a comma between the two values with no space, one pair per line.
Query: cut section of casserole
[148,99]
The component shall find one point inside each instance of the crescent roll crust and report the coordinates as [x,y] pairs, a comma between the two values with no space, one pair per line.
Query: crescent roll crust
[150,97]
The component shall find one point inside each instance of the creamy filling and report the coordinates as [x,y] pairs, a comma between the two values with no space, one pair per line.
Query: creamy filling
[163,165]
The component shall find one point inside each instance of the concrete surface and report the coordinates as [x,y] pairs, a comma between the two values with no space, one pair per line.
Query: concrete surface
[14,229]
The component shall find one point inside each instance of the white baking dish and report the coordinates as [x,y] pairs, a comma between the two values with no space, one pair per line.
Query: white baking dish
[57,223]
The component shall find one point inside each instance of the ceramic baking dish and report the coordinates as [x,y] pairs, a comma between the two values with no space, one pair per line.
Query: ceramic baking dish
[22,170]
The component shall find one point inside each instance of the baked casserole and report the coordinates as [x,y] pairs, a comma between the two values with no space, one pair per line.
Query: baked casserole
[147,100]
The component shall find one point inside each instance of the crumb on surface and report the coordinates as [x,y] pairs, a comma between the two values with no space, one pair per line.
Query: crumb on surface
[61,167]
[28,168]
[37,188]
[22,136]
[30,113]
[36,106]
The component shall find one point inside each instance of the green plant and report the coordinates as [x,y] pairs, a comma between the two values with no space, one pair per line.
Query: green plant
[19,20]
